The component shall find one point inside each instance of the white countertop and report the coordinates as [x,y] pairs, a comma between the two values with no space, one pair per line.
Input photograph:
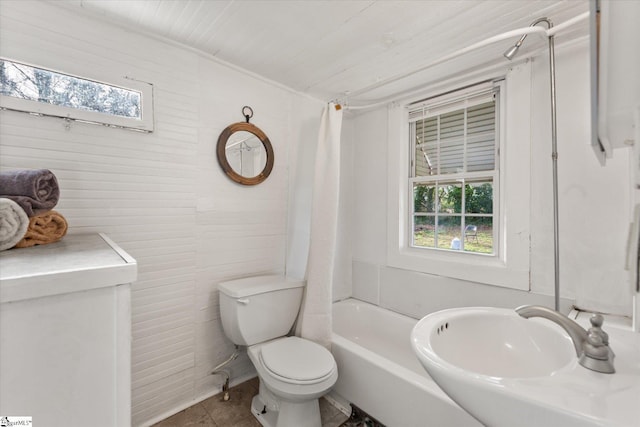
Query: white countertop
[75,263]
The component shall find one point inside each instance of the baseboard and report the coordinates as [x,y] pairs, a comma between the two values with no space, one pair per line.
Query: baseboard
[198,399]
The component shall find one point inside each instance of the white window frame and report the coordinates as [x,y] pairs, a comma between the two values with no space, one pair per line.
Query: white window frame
[145,123]
[456,101]
[510,267]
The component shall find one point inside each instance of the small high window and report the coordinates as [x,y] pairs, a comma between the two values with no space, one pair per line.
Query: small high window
[37,90]
[454,172]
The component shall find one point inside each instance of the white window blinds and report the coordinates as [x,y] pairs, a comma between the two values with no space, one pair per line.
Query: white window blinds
[456,134]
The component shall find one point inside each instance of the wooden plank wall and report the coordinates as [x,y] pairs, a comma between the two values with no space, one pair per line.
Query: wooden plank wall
[161,196]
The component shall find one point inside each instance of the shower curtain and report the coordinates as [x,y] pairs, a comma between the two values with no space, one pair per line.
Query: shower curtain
[315,317]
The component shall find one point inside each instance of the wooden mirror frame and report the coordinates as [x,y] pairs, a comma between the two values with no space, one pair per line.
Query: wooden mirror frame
[222,154]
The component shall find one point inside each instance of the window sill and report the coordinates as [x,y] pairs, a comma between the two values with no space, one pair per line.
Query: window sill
[484,269]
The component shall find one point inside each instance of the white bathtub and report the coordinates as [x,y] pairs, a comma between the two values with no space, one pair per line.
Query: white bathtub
[378,371]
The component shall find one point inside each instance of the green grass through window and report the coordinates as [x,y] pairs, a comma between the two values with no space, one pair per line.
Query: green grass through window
[426,238]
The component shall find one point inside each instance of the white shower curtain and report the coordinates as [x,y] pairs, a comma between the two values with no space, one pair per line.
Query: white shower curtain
[315,317]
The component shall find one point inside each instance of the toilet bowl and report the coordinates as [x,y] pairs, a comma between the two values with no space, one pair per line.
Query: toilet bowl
[258,312]
[293,373]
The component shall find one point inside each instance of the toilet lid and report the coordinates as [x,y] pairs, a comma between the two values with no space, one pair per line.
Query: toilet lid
[297,359]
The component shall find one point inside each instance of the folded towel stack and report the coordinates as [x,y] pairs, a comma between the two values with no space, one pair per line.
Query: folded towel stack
[28,197]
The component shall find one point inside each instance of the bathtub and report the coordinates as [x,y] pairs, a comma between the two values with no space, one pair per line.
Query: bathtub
[379,373]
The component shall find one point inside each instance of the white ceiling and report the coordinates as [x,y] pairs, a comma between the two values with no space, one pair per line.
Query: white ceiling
[328,48]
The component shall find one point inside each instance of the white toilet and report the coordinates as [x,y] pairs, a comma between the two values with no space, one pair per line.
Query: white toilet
[259,312]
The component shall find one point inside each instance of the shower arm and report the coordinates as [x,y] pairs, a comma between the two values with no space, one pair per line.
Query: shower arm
[533,24]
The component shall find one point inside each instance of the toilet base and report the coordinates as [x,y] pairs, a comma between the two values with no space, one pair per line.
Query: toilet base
[268,418]
[300,414]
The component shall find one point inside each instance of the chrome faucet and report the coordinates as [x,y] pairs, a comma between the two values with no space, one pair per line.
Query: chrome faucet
[592,346]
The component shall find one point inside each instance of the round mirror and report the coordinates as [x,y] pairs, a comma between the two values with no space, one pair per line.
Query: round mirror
[245,153]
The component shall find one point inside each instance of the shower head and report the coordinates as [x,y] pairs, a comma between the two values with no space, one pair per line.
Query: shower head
[511,52]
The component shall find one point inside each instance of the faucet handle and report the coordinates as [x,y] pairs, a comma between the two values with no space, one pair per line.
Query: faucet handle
[596,328]
[596,354]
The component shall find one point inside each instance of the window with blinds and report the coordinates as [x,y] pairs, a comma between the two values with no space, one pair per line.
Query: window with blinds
[454,176]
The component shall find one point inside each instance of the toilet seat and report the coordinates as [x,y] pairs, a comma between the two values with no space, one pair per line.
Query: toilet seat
[297,361]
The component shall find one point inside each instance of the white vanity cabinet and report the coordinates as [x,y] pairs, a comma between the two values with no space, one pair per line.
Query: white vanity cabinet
[65,332]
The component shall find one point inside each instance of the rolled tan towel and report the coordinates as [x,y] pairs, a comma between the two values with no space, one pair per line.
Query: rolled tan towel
[45,228]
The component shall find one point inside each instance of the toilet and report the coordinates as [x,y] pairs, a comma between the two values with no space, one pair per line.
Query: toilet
[259,312]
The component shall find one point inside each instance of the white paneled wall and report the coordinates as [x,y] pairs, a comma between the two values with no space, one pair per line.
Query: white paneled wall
[594,211]
[161,196]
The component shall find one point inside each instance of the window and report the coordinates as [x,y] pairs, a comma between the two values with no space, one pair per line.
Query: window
[454,168]
[38,90]
[454,172]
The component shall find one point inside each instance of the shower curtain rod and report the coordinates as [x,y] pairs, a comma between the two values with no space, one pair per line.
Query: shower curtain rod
[494,39]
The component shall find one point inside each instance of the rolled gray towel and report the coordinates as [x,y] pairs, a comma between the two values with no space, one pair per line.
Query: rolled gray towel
[35,190]
[13,223]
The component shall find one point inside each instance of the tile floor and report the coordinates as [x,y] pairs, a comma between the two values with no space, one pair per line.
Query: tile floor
[236,412]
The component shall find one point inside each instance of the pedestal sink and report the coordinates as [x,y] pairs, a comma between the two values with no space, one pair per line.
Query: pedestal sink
[506,370]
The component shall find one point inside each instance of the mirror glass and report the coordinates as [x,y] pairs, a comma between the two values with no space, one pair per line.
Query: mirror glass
[245,153]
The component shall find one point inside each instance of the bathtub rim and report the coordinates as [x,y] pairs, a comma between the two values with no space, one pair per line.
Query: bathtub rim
[423,381]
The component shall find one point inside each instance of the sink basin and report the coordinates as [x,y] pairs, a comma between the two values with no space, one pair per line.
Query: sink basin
[494,342]
[506,370]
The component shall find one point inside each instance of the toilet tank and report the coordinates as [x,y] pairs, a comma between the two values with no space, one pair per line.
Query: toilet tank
[260,308]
